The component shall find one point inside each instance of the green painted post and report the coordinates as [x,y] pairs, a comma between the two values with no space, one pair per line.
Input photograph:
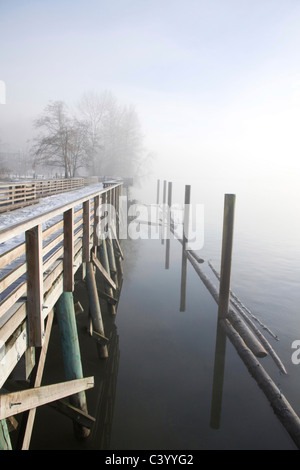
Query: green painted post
[65,314]
[5,443]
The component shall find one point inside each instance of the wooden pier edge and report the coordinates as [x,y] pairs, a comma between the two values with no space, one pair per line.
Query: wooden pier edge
[52,266]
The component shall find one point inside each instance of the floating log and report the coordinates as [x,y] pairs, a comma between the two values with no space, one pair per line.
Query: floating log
[238,303]
[279,403]
[261,337]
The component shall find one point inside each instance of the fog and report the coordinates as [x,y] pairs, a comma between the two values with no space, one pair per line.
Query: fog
[216,84]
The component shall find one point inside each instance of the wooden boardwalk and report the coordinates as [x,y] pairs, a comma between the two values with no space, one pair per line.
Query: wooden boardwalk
[16,195]
[38,261]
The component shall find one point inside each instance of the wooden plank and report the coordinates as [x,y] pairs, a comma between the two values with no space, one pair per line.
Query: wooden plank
[103,272]
[12,254]
[14,351]
[34,285]
[12,276]
[37,382]
[77,415]
[101,339]
[13,298]
[18,402]
[52,244]
[68,250]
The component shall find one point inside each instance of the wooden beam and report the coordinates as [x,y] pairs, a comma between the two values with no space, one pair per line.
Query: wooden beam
[34,285]
[115,239]
[29,419]
[103,272]
[101,339]
[77,415]
[18,402]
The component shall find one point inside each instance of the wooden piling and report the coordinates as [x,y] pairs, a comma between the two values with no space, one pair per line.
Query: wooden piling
[163,226]
[105,263]
[65,314]
[168,241]
[111,257]
[158,191]
[186,213]
[218,379]
[228,223]
[95,311]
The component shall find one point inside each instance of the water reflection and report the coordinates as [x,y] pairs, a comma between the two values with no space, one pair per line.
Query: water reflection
[101,434]
[218,378]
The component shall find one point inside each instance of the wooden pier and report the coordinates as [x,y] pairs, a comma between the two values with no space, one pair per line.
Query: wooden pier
[38,261]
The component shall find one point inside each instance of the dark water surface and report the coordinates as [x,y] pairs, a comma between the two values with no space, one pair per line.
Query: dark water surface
[157,389]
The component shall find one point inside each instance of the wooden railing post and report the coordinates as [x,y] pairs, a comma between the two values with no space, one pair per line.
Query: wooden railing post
[68,250]
[35,285]
[96,219]
[86,232]
[228,222]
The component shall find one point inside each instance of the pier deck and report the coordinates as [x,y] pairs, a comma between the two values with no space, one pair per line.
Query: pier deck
[41,249]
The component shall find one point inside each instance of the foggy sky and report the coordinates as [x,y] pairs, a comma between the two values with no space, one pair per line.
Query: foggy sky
[216,83]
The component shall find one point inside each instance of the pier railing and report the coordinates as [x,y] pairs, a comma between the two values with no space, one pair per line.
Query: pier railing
[15,195]
[38,261]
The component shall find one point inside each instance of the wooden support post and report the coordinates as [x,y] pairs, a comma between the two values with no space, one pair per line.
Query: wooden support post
[96,220]
[168,241]
[186,215]
[228,223]
[35,380]
[187,200]
[111,257]
[164,213]
[5,443]
[95,310]
[105,263]
[34,260]
[218,380]
[86,232]
[65,313]
[158,191]
[68,250]
[104,259]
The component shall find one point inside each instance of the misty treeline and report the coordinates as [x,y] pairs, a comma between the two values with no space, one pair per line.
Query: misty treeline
[99,137]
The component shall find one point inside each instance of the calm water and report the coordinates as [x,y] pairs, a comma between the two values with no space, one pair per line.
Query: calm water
[159,390]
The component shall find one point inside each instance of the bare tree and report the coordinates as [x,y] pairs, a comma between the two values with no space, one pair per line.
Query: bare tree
[114,135]
[62,142]
[94,110]
[105,137]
